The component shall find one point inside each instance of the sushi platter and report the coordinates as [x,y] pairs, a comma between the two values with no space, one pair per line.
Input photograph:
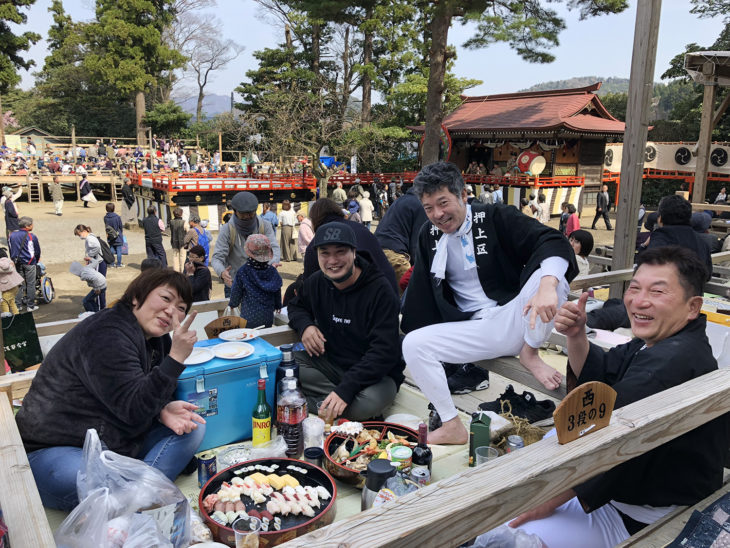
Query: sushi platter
[291,497]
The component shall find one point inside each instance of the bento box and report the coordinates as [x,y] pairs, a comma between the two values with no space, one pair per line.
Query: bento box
[346,456]
[288,483]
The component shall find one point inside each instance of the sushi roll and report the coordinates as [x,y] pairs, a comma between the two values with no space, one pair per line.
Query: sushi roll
[277,523]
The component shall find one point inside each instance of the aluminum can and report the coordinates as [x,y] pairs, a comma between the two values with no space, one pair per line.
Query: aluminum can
[421,476]
[206,468]
[513,444]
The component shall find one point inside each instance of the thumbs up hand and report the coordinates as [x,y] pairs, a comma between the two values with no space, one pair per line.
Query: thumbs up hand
[571,318]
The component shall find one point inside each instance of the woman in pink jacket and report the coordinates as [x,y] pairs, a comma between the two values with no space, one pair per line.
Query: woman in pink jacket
[306,233]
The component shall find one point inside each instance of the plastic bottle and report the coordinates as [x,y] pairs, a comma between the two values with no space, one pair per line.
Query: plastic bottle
[291,410]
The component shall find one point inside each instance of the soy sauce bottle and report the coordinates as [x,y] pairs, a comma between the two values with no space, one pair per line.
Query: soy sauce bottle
[287,362]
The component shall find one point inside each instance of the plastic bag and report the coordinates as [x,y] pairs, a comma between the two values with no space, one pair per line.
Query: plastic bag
[199,530]
[129,487]
[86,525]
[507,537]
[144,533]
[271,449]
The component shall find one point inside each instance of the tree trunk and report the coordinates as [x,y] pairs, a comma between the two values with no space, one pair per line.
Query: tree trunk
[322,174]
[290,48]
[367,59]
[346,76]
[139,108]
[316,39]
[434,97]
[199,108]
[2,123]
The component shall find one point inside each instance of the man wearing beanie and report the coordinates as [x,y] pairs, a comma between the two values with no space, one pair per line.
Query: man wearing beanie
[347,317]
[229,254]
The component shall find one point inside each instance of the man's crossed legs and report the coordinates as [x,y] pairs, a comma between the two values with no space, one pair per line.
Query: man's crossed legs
[493,333]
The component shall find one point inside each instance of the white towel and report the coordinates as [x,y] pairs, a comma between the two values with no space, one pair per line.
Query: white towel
[438,267]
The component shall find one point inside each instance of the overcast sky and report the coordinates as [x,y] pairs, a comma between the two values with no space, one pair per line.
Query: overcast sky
[595,47]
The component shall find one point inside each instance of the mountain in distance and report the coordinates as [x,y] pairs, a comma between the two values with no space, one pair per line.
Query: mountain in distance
[610,85]
[212,104]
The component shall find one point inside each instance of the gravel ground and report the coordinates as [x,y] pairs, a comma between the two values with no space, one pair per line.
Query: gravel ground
[59,247]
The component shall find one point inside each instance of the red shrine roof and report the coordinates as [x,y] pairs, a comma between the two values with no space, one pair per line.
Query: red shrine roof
[564,110]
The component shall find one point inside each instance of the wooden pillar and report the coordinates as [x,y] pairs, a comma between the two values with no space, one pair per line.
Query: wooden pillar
[73,144]
[705,140]
[646,31]
[220,148]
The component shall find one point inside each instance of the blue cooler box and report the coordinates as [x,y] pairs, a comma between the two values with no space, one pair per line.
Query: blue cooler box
[225,391]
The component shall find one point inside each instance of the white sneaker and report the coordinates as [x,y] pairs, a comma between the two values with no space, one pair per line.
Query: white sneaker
[33,308]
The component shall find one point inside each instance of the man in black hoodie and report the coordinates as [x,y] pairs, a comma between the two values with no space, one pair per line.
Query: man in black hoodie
[347,316]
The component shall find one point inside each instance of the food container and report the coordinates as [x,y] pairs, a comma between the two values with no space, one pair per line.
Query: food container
[291,526]
[357,477]
[225,391]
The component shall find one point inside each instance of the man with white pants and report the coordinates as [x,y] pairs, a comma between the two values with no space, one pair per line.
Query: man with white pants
[487,282]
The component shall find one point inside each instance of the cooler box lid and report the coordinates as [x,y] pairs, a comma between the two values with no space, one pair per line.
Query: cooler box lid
[264,354]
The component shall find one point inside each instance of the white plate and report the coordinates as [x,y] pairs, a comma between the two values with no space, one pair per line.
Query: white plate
[233,350]
[239,335]
[199,355]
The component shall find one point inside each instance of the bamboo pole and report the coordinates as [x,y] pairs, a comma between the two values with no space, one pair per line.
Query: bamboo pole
[646,32]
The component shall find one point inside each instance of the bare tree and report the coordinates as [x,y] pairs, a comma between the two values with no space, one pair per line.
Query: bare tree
[208,55]
[189,25]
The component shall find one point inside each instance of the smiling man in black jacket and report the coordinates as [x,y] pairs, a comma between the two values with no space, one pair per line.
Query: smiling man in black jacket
[347,317]
[664,301]
[487,282]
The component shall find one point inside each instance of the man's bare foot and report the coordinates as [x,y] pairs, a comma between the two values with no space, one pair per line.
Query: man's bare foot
[452,432]
[548,376]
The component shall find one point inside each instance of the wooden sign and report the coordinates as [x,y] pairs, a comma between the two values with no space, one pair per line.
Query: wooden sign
[586,409]
[224,323]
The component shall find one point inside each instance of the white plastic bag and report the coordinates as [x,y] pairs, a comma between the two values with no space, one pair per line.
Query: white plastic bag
[129,486]
[144,533]
[507,537]
[86,525]
[275,448]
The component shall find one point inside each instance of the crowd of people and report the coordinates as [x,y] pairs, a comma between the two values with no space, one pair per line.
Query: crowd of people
[465,278]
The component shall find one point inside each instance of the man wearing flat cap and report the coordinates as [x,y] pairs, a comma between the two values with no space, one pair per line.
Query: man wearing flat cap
[346,314]
[229,254]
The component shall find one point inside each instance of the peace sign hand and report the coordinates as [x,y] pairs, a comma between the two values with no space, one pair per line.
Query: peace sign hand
[183,338]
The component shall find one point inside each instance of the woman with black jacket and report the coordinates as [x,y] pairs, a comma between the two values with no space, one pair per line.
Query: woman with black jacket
[117,373]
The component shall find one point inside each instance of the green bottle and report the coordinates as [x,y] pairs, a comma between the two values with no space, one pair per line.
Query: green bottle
[261,417]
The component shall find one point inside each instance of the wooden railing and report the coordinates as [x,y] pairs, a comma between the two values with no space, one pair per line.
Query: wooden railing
[474,501]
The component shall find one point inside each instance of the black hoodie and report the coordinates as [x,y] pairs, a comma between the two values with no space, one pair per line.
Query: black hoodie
[360,324]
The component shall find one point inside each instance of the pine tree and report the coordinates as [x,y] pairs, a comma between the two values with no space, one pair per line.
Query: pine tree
[11,48]
[126,48]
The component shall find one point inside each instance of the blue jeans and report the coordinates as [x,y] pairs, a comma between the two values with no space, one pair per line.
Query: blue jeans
[117,250]
[55,468]
[92,301]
